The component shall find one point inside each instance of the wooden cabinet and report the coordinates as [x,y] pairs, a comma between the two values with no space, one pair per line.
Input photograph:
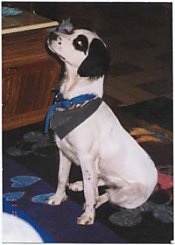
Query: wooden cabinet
[29,74]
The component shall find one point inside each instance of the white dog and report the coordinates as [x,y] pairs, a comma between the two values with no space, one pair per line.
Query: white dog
[104,150]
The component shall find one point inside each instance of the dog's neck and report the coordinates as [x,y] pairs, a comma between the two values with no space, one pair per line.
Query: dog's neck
[73,85]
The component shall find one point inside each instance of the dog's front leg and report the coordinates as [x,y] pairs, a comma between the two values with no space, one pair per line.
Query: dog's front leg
[63,174]
[90,191]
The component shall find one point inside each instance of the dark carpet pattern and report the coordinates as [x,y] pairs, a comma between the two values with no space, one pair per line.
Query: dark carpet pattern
[27,193]
[30,175]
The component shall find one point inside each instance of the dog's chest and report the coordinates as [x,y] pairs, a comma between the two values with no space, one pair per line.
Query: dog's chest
[68,147]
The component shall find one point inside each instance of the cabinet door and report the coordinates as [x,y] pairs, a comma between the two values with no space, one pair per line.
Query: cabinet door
[27,92]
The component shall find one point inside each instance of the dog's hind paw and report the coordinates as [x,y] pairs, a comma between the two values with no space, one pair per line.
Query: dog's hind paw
[76,186]
[56,200]
[85,219]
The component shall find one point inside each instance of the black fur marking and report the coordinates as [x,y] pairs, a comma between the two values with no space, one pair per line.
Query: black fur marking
[97,62]
[53,36]
[81,43]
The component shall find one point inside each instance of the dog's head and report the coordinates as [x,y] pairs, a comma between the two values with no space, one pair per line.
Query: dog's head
[83,50]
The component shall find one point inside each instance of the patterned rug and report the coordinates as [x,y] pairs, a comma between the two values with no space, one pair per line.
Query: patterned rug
[29,178]
[25,195]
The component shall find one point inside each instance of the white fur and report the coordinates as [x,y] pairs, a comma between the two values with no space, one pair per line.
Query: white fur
[104,150]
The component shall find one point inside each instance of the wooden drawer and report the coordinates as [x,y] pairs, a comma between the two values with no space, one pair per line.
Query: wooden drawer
[28,76]
[27,92]
[24,47]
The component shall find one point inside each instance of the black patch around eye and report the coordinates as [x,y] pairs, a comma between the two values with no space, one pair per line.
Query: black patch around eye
[81,43]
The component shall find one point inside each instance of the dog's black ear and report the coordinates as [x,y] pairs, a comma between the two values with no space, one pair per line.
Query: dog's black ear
[97,62]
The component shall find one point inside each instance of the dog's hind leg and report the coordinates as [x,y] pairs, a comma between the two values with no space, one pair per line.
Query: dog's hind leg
[78,185]
[102,199]
[130,195]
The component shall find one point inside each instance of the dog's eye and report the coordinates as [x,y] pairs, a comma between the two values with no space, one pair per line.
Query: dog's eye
[81,43]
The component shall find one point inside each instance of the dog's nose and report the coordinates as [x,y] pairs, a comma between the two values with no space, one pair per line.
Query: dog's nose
[53,36]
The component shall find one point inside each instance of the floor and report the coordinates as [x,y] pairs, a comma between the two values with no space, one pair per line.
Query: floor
[140,56]
[139,38]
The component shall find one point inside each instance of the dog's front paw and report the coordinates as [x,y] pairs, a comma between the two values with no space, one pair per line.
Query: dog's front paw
[85,219]
[56,199]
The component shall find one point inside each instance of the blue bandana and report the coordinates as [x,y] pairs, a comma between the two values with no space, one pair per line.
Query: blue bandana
[64,121]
